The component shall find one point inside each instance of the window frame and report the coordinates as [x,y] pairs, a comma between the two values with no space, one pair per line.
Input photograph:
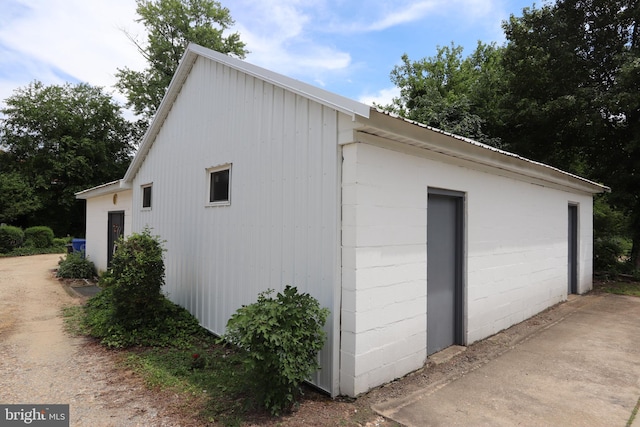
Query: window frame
[143,187]
[209,174]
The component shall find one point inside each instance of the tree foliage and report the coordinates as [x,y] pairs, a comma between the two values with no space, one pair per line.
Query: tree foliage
[58,140]
[171,26]
[451,93]
[563,90]
[573,78]
[17,199]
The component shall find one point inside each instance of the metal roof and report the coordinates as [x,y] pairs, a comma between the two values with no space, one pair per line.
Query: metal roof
[390,126]
[102,190]
[400,129]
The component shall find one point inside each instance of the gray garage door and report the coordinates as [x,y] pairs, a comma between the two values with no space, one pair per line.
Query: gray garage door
[444,270]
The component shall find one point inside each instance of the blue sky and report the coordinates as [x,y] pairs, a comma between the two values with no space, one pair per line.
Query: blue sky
[345,46]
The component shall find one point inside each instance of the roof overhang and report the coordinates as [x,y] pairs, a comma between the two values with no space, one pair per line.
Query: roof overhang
[103,190]
[384,128]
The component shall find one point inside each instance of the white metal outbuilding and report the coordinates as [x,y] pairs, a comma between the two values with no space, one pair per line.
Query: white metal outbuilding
[257,181]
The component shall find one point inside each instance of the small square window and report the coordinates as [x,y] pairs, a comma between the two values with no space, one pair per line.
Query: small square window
[219,185]
[146,197]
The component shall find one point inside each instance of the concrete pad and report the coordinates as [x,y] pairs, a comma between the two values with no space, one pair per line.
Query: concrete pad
[583,370]
[446,354]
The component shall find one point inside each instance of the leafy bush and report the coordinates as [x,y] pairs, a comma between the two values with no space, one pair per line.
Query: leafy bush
[282,337]
[61,242]
[75,266]
[10,238]
[171,325]
[131,310]
[38,237]
[136,277]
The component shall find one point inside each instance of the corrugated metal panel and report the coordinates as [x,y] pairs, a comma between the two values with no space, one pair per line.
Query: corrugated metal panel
[281,226]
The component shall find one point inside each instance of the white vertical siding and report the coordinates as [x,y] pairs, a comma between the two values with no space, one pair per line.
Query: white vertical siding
[280,227]
[516,256]
[98,209]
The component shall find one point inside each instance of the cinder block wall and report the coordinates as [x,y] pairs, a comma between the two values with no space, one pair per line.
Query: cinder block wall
[515,256]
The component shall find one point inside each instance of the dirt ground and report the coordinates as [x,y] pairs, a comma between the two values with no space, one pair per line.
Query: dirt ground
[41,364]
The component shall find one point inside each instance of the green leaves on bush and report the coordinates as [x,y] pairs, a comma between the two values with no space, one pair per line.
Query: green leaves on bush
[38,237]
[170,326]
[282,337]
[131,310]
[75,266]
[136,277]
[32,241]
[10,238]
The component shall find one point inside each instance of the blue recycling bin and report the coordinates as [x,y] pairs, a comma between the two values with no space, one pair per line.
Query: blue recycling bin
[78,245]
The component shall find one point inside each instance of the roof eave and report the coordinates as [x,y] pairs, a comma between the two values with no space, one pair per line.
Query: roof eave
[103,190]
[393,127]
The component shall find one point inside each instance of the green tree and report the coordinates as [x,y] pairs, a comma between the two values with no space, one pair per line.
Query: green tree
[59,140]
[450,92]
[572,71]
[18,198]
[171,26]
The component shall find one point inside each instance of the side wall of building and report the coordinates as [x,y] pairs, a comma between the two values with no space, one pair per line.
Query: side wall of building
[281,226]
[98,209]
[515,255]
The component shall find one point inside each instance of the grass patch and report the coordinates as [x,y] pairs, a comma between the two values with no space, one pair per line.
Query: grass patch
[73,317]
[27,251]
[212,376]
[185,359]
[619,287]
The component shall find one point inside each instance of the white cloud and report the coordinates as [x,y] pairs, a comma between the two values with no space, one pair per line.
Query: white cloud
[278,34]
[326,42]
[61,39]
[401,15]
[292,56]
[382,97]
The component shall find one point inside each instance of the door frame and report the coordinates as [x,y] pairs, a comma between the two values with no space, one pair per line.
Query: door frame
[460,261]
[573,248]
[110,240]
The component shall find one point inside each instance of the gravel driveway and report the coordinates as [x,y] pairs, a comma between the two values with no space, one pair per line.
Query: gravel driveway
[41,364]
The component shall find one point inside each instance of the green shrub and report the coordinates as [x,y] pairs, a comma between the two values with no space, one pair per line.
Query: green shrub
[136,277]
[170,326]
[10,238]
[130,309]
[38,237]
[61,242]
[75,266]
[282,337]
